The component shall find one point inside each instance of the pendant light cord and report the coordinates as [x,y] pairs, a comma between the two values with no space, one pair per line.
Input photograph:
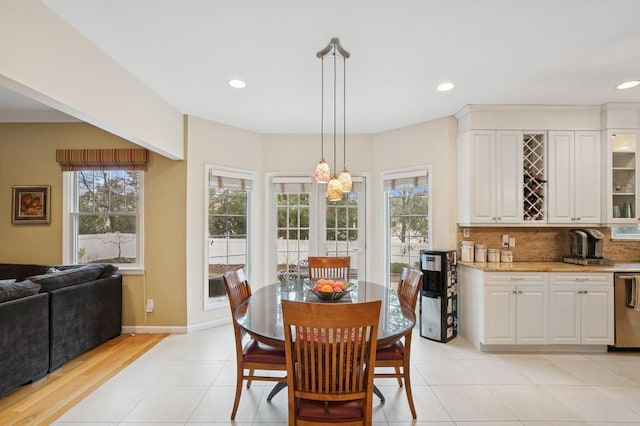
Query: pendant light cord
[322,109]
[344,112]
[335,159]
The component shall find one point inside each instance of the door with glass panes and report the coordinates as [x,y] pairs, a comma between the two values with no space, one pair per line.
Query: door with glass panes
[303,223]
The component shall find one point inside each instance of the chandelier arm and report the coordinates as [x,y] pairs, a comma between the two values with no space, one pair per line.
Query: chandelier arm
[333,44]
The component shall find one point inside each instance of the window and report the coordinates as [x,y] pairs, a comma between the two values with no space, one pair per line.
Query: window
[228,212]
[407,219]
[104,214]
[303,223]
[625,232]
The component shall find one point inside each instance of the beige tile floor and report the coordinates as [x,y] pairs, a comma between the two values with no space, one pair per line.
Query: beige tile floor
[190,379]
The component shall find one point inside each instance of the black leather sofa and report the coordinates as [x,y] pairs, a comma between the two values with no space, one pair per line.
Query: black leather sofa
[54,313]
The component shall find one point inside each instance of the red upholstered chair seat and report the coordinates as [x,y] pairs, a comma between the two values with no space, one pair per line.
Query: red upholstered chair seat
[394,351]
[335,412]
[255,351]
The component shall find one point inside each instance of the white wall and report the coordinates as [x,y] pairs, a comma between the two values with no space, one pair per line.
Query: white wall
[43,58]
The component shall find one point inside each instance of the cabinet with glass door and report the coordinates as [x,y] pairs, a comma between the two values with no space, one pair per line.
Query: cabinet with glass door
[622,177]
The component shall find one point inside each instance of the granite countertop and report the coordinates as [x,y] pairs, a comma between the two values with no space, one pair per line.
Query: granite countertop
[550,267]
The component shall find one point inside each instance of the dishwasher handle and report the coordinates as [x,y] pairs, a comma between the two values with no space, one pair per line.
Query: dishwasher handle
[630,290]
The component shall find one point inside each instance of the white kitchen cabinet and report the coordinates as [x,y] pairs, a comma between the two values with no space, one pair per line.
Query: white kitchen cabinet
[490,177]
[516,308]
[581,308]
[574,177]
[621,178]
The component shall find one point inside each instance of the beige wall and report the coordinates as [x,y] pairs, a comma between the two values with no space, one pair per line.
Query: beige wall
[432,143]
[210,143]
[174,273]
[27,157]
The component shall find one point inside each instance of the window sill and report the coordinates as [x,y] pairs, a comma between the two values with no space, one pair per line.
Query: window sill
[130,270]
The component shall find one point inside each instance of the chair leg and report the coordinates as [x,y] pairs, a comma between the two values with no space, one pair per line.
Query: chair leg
[249,378]
[407,388]
[236,402]
[398,376]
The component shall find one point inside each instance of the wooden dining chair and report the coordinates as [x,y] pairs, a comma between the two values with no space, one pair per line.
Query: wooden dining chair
[252,355]
[330,351]
[398,354]
[334,267]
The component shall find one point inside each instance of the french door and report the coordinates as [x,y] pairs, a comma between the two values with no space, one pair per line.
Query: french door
[303,223]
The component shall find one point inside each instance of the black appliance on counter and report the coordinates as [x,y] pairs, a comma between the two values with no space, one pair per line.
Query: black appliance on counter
[438,295]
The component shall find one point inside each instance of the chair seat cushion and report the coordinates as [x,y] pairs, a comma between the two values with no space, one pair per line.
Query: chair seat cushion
[395,351]
[255,351]
[337,411]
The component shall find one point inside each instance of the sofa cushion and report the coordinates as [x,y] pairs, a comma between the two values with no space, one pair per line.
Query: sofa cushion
[68,277]
[10,290]
[20,271]
[109,270]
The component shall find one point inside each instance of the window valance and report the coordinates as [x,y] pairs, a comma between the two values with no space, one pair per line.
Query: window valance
[102,159]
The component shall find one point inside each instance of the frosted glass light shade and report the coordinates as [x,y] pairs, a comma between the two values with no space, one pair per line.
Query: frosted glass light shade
[334,190]
[322,172]
[345,180]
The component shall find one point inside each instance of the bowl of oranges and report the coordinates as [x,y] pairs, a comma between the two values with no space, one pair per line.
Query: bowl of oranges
[330,290]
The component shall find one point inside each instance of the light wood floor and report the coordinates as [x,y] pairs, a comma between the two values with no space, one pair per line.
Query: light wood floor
[42,402]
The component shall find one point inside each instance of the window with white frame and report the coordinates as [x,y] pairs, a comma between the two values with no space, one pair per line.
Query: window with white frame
[228,212]
[104,217]
[407,196]
[625,232]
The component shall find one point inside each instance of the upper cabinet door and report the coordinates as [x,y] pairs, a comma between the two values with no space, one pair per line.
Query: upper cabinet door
[494,180]
[574,177]
[561,174]
[509,177]
[621,178]
[483,176]
[587,177]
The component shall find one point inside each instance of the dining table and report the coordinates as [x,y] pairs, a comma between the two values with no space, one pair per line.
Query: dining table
[261,314]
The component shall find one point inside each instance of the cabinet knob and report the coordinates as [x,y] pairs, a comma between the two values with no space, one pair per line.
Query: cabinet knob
[519,291]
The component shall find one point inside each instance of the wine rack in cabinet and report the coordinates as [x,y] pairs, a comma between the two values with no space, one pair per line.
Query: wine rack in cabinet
[533,152]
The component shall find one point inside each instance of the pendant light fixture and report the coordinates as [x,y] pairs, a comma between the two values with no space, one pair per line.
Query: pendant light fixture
[335,186]
[345,176]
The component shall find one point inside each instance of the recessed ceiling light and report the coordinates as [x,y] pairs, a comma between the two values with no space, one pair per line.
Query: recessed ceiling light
[445,87]
[628,84]
[238,84]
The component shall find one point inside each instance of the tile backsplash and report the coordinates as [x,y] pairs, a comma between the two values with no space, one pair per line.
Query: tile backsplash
[550,244]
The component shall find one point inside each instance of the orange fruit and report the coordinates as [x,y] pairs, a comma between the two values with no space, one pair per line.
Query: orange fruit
[331,282]
[336,289]
[326,288]
[321,281]
[339,284]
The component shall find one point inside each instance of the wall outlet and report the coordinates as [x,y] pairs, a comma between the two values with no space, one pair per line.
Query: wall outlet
[512,242]
[466,233]
[505,240]
[149,306]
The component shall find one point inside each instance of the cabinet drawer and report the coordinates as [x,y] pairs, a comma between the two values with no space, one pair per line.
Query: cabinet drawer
[505,278]
[573,278]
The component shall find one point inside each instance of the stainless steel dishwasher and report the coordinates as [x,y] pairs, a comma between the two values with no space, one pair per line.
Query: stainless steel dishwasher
[627,310]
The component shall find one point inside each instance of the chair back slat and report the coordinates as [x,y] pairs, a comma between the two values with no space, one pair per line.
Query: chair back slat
[409,285]
[333,267]
[330,352]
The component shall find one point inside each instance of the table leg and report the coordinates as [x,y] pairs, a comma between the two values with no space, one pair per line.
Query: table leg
[277,388]
[378,394]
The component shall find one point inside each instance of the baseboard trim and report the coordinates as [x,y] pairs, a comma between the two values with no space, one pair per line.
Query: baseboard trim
[132,329]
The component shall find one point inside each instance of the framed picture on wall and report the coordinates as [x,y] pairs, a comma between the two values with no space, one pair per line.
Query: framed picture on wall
[31,205]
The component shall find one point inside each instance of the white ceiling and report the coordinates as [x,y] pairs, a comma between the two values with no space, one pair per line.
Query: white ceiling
[570,52]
